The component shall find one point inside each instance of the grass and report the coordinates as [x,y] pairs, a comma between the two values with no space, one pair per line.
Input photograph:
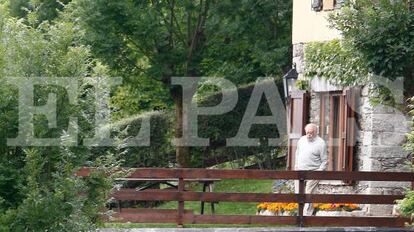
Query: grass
[223,208]
[228,208]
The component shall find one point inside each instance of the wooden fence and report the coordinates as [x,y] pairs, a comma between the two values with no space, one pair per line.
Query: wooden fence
[181,216]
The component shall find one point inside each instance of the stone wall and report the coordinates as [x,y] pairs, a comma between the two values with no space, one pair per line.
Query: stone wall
[380,134]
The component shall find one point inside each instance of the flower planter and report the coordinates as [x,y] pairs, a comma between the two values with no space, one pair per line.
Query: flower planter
[334,213]
[271,213]
[322,213]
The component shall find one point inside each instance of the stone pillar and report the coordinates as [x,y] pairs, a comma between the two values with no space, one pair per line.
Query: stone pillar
[382,134]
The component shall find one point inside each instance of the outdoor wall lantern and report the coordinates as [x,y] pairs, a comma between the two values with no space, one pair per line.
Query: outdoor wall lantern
[289,80]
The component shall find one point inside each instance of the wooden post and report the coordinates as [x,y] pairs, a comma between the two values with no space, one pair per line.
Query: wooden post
[180,215]
[301,201]
[202,203]
[412,165]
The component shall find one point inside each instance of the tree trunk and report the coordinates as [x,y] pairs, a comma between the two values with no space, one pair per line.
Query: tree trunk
[182,153]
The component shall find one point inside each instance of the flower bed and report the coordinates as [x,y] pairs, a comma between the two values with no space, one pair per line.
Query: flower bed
[277,208]
[335,206]
[291,209]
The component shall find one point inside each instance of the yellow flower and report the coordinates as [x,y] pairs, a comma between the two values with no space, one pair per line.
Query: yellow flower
[336,206]
[278,206]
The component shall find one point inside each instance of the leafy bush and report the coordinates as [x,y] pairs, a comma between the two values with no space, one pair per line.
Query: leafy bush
[334,62]
[160,153]
[38,189]
[377,39]
[218,128]
[406,206]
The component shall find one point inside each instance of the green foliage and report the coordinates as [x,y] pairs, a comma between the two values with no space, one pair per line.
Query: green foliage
[340,65]
[302,84]
[138,97]
[377,41]
[409,145]
[158,154]
[381,35]
[406,206]
[236,52]
[229,208]
[335,62]
[220,127]
[216,127]
[38,189]
[139,38]
[144,41]
[233,50]
[43,208]
[161,39]
[37,10]
[57,204]
[17,8]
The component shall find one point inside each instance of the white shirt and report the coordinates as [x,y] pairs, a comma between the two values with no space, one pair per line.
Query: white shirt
[311,155]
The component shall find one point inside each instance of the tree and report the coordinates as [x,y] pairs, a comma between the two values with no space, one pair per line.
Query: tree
[45,10]
[38,189]
[162,39]
[381,34]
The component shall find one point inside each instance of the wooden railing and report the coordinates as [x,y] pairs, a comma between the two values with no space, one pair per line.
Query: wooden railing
[181,216]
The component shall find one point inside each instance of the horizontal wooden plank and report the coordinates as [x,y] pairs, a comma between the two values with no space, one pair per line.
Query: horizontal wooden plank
[238,219]
[213,174]
[201,219]
[194,173]
[253,219]
[202,180]
[147,195]
[350,198]
[241,219]
[356,221]
[171,195]
[143,218]
[153,210]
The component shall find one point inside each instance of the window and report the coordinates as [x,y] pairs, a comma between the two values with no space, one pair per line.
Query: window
[326,5]
[317,5]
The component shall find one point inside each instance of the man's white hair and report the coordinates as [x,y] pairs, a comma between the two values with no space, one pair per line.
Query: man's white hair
[312,125]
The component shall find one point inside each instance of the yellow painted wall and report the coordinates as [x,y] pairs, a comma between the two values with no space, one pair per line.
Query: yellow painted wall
[309,25]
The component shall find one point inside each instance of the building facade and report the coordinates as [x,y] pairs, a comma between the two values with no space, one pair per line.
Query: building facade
[361,136]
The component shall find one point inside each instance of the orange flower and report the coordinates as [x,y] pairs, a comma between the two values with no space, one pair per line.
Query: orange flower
[336,206]
[278,206]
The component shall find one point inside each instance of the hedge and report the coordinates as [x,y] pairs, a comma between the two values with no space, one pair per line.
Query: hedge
[218,128]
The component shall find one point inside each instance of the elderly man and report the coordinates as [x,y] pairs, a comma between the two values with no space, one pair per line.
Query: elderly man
[310,156]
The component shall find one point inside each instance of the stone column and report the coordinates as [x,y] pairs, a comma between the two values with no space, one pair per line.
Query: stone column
[382,135]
